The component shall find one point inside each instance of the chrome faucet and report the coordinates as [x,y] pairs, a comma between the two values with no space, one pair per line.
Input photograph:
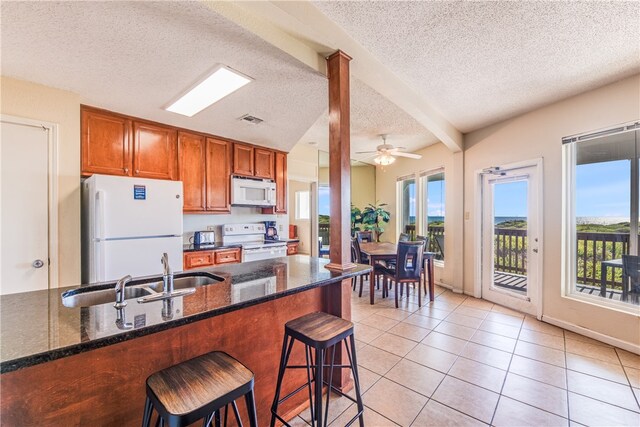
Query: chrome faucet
[167,275]
[120,302]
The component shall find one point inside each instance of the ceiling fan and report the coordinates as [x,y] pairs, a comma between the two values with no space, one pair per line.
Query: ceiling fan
[384,154]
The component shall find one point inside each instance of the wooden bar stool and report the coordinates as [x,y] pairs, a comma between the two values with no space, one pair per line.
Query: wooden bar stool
[319,331]
[198,389]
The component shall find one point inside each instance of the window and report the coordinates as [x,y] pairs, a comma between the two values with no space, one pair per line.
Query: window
[407,206]
[601,178]
[433,202]
[303,205]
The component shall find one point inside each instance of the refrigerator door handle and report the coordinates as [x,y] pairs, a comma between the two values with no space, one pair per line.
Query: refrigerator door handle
[99,206]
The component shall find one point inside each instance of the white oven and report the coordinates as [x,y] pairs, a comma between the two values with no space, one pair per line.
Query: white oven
[252,192]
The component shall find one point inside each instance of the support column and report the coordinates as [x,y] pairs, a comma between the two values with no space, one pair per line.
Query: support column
[339,162]
[337,297]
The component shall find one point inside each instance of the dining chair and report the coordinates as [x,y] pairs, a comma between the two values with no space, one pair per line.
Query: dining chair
[321,252]
[363,259]
[440,244]
[425,242]
[364,236]
[631,277]
[408,268]
[404,237]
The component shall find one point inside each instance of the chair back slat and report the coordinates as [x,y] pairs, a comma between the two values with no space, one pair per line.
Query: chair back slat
[425,242]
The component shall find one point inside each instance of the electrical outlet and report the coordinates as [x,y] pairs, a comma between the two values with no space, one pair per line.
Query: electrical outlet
[466,215]
[211,228]
[280,227]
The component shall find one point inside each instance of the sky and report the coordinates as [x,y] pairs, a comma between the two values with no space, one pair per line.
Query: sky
[602,189]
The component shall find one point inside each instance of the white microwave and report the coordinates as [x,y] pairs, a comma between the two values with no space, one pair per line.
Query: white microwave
[252,192]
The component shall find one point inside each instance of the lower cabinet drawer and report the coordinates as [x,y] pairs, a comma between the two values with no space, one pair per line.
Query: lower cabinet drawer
[198,259]
[227,256]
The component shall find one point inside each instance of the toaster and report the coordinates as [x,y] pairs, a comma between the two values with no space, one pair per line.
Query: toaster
[204,237]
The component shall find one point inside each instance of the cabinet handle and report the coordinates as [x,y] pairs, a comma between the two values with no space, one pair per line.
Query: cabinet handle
[137,171]
[126,170]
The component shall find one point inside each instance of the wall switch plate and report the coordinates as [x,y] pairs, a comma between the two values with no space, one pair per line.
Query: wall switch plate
[211,228]
[279,227]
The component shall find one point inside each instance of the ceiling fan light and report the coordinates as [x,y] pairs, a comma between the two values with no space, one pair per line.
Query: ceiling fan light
[384,159]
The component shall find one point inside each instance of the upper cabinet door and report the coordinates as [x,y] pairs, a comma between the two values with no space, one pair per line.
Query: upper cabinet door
[243,160]
[191,170]
[218,163]
[281,182]
[105,143]
[263,163]
[155,151]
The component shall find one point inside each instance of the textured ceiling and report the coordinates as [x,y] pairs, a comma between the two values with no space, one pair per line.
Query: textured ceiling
[481,62]
[136,57]
[372,115]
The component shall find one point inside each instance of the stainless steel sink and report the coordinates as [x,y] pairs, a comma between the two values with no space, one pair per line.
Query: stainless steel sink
[182,284]
[74,298]
[188,280]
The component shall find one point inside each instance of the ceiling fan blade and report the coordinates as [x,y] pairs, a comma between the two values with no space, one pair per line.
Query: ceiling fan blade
[366,152]
[409,155]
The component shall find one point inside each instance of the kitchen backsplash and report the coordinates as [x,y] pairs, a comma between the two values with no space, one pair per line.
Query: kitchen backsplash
[195,222]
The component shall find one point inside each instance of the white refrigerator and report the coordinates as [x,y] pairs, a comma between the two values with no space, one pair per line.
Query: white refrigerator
[127,224]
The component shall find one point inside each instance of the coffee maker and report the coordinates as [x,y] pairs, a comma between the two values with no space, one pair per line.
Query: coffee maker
[270,230]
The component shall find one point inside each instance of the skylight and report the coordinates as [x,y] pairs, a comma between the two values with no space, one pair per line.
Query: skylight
[222,82]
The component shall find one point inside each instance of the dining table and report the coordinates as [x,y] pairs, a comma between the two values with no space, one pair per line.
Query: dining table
[384,251]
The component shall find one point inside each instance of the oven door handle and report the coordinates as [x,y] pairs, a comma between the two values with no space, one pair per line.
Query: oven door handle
[264,250]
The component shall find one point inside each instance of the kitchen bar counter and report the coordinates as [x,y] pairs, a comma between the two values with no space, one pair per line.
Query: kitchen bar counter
[36,328]
[73,366]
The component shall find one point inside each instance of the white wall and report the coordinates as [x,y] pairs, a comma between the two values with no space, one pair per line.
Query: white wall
[33,101]
[433,157]
[197,222]
[538,134]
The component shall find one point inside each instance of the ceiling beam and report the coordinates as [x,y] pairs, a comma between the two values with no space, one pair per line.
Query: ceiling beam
[299,27]
[265,29]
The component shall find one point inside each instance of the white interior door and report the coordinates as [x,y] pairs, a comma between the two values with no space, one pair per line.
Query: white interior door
[24,224]
[511,237]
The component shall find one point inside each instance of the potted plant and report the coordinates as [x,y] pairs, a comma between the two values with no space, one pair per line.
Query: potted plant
[374,217]
[356,219]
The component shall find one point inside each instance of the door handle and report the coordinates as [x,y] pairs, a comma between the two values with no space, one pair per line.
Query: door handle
[38,263]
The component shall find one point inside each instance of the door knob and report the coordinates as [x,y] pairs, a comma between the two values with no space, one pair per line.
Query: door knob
[38,263]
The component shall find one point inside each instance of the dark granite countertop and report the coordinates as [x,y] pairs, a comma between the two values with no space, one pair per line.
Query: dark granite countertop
[36,327]
[217,246]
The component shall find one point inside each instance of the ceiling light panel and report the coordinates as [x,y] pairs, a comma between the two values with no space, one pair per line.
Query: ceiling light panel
[222,82]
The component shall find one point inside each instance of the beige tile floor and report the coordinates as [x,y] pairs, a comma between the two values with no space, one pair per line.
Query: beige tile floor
[463,361]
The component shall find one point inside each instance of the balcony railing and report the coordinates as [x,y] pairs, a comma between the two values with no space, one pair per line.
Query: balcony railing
[510,256]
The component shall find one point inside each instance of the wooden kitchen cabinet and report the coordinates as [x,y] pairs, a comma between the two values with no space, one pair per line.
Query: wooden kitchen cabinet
[281,185]
[292,248]
[155,151]
[105,143]
[243,160]
[201,259]
[192,170]
[263,163]
[218,175]
[227,256]
[198,259]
